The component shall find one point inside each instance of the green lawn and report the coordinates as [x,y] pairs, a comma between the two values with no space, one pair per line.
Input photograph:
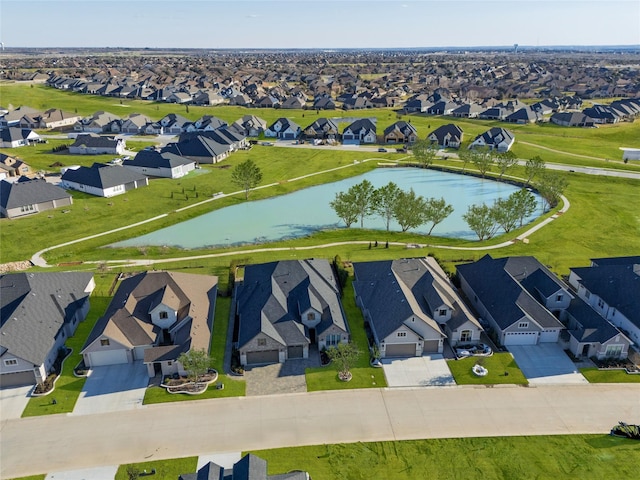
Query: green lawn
[165,469]
[233,386]
[608,376]
[364,376]
[33,477]
[497,364]
[543,457]
[68,386]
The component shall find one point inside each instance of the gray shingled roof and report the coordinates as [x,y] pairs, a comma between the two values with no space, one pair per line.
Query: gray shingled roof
[592,326]
[34,307]
[91,140]
[199,145]
[155,159]
[29,192]
[102,176]
[273,295]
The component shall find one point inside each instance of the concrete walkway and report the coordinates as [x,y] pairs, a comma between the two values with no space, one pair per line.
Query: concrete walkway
[33,445]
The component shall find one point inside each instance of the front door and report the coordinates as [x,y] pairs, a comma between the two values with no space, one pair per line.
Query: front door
[312,336]
[585,350]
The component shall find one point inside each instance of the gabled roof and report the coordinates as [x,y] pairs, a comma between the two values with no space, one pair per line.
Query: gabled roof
[97,141]
[274,295]
[449,130]
[155,159]
[14,134]
[29,192]
[361,124]
[197,146]
[591,326]
[323,125]
[35,306]
[495,136]
[404,127]
[102,176]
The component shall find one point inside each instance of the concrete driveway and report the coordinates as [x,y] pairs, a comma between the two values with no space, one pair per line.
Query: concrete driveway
[96,473]
[546,363]
[113,388]
[426,371]
[13,401]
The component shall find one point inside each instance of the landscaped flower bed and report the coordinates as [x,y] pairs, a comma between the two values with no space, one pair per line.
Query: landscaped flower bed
[178,384]
[47,386]
[610,364]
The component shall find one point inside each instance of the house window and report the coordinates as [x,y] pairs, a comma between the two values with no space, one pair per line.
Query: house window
[402,334]
[600,303]
[262,342]
[465,336]
[332,339]
[559,297]
[164,314]
[104,342]
[587,294]
[613,351]
[27,208]
[443,312]
[11,361]
[523,325]
[311,316]
[169,363]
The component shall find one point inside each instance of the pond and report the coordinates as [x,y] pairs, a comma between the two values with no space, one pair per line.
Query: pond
[306,211]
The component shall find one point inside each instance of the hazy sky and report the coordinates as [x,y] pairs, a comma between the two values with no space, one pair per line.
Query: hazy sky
[317,24]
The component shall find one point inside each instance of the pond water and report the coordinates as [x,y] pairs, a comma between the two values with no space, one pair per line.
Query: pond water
[306,211]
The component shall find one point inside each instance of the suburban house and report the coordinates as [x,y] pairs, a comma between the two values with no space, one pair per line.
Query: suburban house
[12,118]
[612,287]
[360,131]
[324,103]
[96,123]
[323,129]
[208,98]
[400,132]
[179,97]
[523,115]
[495,138]
[250,125]
[467,110]
[153,163]
[572,119]
[518,297]
[14,167]
[447,136]
[412,307]
[52,118]
[154,317]
[205,123]
[284,308]
[200,149]
[93,144]
[293,102]
[102,180]
[28,196]
[442,107]
[39,311]
[14,137]
[249,467]
[283,128]
[170,124]
[135,124]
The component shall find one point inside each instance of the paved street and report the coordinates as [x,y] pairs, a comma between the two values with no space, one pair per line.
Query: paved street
[57,443]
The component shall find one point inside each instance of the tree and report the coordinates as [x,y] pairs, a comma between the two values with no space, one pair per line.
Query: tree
[424,153]
[363,195]
[505,214]
[482,159]
[195,362]
[481,220]
[384,201]
[533,168]
[524,203]
[410,210]
[437,211]
[550,187]
[246,175]
[465,156]
[345,355]
[345,208]
[505,162]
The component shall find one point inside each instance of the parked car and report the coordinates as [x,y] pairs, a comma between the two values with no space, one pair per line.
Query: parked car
[382,150]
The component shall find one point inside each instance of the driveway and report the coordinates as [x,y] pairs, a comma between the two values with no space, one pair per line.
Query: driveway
[96,473]
[13,401]
[546,363]
[426,371]
[113,388]
[287,377]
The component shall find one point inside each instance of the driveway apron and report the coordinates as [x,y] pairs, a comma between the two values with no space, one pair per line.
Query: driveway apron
[546,363]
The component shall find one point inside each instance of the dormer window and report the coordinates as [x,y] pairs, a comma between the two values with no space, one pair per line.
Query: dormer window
[164,314]
[559,297]
[442,312]
[523,325]
[311,316]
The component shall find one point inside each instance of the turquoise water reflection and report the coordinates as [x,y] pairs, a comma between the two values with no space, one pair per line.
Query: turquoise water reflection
[306,211]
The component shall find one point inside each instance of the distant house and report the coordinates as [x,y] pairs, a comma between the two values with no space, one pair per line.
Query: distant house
[612,287]
[250,125]
[494,113]
[468,110]
[495,138]
[442,107]
[103,180]
[200,149]
[56,118]
[285,308]
[602,114]
[411,307]
[283,128]
[96,123]
[416,105]
[12,118]
[156,164]
[14,137]
[135,124]
[400,132]
[324,103]
[29,196]
[249,467]
[171,124]
[40,311]
[447,136]
[322,128]
[205,123]
[293,102]
[572,119]
[92,144]
[178,97]
[208,97]
[518,297]
[360,131]
[523,115]
[14,167]
[356,102]
[154,317]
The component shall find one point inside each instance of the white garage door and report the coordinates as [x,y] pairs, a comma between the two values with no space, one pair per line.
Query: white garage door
[400,350]
[521,338]
[549,336]
[109,357]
